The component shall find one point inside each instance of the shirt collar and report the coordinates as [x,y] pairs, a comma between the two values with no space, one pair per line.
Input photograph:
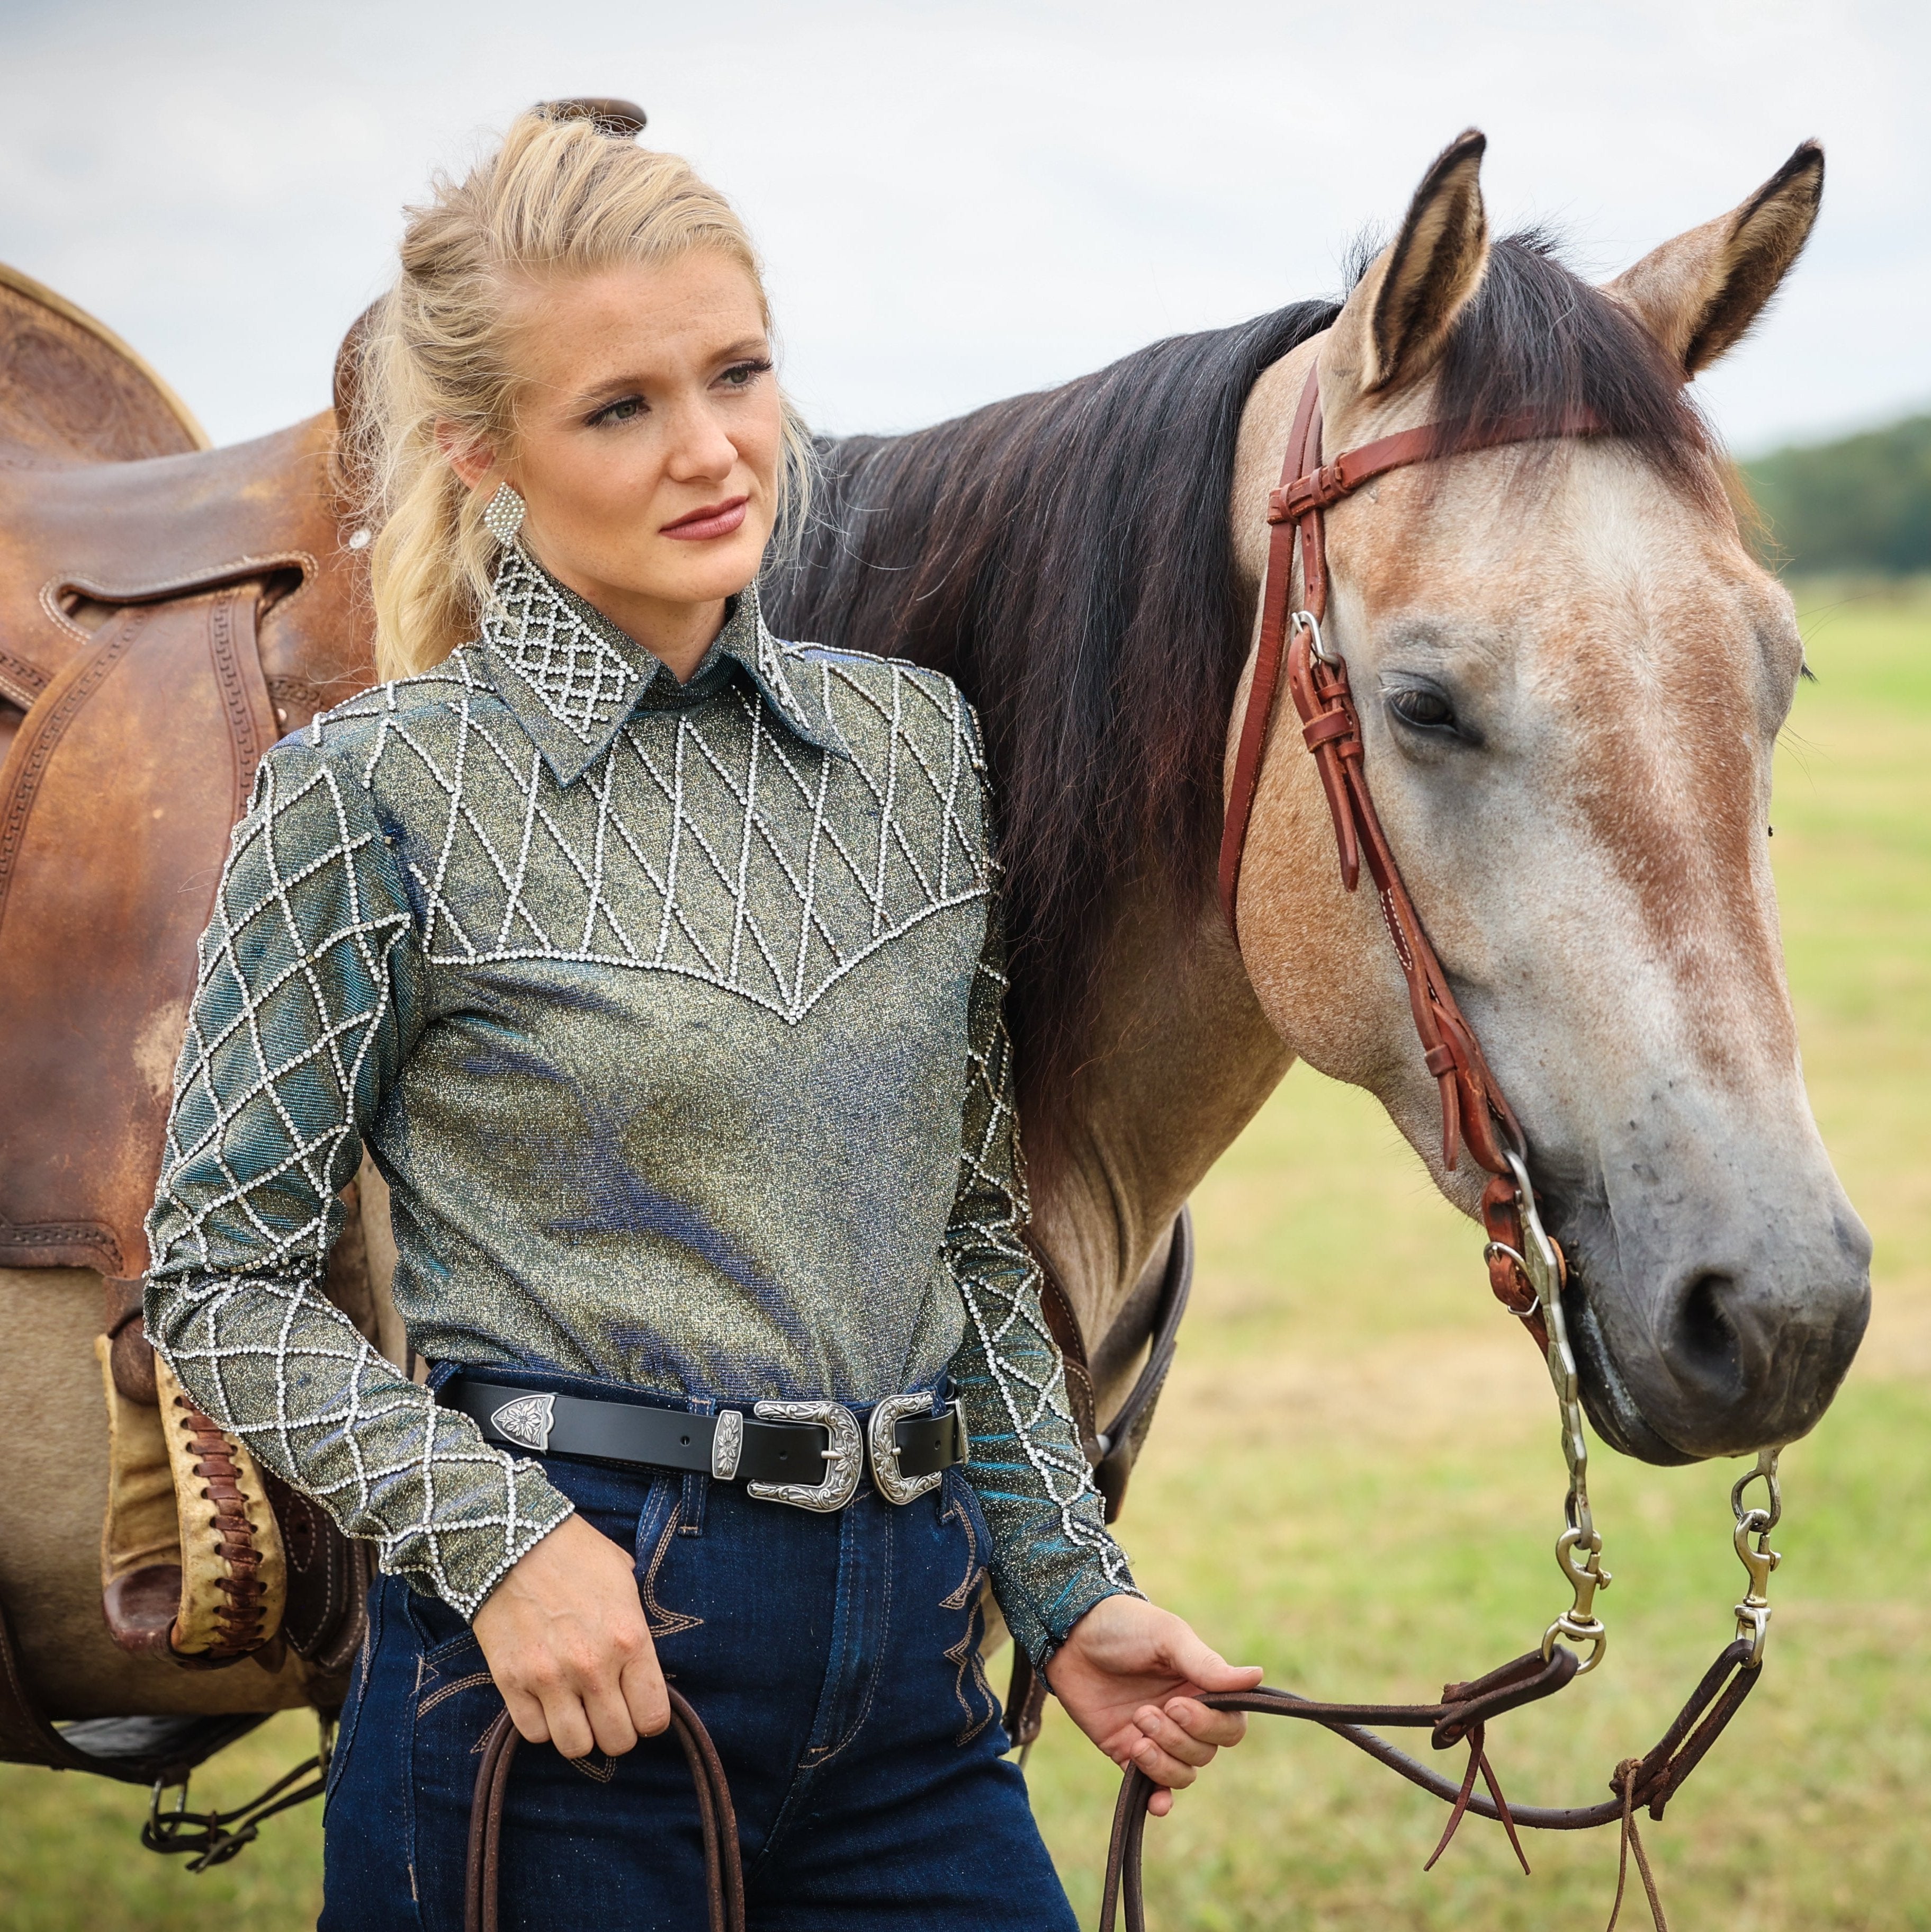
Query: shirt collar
[574,679]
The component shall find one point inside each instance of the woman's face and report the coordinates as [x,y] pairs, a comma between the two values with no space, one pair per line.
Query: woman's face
[649,434]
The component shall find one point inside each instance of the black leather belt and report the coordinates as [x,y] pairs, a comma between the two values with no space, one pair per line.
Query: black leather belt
[811,1454]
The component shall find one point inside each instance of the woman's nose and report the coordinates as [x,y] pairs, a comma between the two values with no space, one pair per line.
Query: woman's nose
[700,449]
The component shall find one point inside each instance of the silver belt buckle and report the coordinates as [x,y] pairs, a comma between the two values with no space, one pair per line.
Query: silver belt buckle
[844,1457]
[883,1429]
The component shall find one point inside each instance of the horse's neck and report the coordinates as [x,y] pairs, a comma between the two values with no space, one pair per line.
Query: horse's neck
[1189,1058]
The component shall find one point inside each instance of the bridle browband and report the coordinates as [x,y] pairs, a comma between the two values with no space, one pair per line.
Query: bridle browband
[1474,1112]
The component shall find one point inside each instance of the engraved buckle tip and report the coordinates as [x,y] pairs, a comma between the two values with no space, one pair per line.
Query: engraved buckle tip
[527,1421]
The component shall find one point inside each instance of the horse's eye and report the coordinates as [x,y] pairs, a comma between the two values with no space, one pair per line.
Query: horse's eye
[1425,710]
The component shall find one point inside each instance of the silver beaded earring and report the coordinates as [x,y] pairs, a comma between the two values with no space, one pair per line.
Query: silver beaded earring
[504,517]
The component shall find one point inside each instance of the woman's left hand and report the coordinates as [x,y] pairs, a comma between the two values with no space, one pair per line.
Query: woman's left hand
[1131,1675]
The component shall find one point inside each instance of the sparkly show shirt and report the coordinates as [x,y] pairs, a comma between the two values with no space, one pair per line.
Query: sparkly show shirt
[672,1015]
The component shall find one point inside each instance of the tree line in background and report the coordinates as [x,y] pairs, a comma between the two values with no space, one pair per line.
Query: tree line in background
[1861,505]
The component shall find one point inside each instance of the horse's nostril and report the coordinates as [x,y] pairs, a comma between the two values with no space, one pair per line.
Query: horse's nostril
[1705,1335]
[1853,1240]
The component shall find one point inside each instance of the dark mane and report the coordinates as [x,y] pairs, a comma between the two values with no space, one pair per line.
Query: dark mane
[1066,556]
[1537,339]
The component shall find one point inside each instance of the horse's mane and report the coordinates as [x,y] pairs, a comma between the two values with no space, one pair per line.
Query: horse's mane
[1067,556]
[1537,340]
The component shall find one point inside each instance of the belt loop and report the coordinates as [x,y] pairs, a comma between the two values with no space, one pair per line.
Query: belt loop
[697,1487]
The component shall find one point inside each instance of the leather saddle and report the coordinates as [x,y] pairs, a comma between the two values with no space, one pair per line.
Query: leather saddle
[167,611]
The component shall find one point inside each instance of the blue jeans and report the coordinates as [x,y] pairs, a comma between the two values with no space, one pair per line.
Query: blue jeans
[833,1658]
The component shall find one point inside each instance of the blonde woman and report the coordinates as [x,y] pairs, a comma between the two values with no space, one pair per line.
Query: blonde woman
[657,963]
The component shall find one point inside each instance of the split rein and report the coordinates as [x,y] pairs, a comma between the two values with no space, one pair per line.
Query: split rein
[1526,1268]
[724,1866]
[1526,1271]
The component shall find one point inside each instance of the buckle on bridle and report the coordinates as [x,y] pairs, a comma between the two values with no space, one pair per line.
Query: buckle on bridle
[844,1452]
[1489,1251]
[1305,620]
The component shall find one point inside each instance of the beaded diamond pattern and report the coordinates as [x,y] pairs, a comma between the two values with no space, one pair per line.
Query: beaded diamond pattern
[999,1281]
[706,843]
[292,989]
[583,681]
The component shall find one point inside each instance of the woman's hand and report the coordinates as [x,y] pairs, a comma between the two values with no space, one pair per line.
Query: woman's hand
[1131,1675]
[564,1637]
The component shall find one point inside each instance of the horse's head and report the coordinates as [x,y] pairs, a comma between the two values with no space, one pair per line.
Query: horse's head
[1571,674]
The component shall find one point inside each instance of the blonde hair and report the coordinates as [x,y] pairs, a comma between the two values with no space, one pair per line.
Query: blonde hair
[557,197]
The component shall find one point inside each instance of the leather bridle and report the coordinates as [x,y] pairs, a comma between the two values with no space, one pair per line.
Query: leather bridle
[1526,1269]
[1474,1112]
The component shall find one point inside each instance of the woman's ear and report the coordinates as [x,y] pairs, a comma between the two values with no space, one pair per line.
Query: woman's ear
[475,462]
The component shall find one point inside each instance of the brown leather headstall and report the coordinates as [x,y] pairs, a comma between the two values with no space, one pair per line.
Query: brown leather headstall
[1475,1115]
[1474,1112]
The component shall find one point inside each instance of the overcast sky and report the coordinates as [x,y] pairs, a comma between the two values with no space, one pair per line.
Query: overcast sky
[960,201]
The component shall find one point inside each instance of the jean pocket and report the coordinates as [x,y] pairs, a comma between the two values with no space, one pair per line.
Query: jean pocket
[448,1704]
[963,1506]
[656,1539]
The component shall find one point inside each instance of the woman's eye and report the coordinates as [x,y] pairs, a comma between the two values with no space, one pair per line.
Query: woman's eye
[1425,710]
[742,375]
[625,411]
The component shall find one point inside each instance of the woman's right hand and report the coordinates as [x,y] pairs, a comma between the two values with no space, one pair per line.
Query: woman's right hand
[564,1637]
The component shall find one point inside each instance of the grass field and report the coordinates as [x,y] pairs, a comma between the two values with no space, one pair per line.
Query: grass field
[1355,1477]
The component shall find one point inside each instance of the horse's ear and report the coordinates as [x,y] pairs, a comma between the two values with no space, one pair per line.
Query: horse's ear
[1398,318]
[1699,293]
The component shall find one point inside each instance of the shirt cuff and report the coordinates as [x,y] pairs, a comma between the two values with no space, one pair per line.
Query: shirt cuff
[1041,1618]
[464,1552]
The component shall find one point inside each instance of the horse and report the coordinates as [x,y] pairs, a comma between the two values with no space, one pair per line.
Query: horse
[1576,671]
[1573,672]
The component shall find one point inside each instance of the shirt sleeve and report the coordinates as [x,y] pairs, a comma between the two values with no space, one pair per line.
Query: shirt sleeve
[1052,1558]
[310,992]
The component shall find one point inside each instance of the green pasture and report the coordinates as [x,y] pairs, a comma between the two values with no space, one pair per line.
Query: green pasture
[1355,1481]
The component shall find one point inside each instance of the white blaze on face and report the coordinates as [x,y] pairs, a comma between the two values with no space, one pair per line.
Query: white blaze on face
[1586,842]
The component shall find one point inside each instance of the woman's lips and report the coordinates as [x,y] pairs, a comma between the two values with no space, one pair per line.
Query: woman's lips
[714,520]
